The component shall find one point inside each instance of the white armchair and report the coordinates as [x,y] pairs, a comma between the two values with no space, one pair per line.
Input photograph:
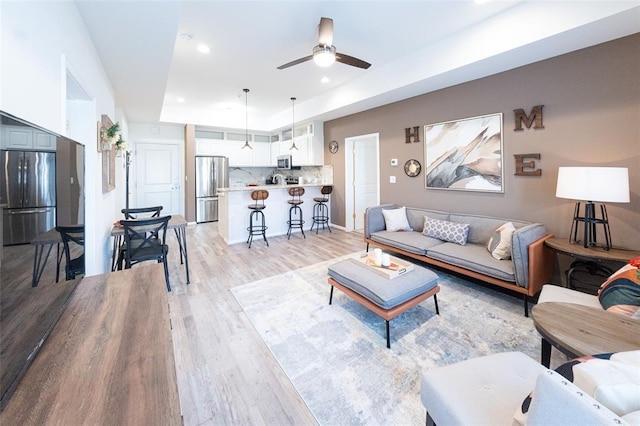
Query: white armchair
[490,390]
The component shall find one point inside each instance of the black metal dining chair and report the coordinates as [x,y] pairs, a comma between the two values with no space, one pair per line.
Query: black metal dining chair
[72,238]
[141,244]
[141,212]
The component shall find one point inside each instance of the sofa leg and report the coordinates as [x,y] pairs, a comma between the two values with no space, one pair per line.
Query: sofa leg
[430,421]
[526,306]
[367,248]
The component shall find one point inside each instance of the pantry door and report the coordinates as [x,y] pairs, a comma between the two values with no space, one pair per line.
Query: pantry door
[157,171]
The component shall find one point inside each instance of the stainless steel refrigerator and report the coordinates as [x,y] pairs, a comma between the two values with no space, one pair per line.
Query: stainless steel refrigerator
[28,188]
[211,173]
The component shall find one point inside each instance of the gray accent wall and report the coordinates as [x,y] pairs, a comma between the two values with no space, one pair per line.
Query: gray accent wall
[591,115]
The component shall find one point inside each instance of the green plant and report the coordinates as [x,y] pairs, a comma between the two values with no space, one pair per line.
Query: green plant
[121,144]
[112,130]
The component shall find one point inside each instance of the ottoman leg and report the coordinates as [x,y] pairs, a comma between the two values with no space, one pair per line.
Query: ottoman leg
[331,295]
[435,300]
[388,337]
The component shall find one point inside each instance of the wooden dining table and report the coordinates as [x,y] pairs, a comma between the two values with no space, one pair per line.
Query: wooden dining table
[179,225]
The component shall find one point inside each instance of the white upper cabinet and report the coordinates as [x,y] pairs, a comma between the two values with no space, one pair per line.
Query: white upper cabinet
[22,137]
[266,148]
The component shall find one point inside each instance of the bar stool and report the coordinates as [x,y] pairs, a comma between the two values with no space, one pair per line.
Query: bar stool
[295,211]
[256,218]
[320,209]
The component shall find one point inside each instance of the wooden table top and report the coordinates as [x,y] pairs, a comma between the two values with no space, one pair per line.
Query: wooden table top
[109,359]
[579,330]
[563,245]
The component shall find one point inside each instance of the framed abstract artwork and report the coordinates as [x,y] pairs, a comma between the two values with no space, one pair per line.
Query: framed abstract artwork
[465,155]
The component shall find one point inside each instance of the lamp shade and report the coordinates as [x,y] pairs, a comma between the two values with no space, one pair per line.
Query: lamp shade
[601,184]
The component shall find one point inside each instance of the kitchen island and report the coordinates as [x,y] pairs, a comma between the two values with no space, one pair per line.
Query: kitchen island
[233,214]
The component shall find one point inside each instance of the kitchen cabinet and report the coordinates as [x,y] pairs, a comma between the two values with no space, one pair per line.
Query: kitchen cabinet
[27,138]
[260,155]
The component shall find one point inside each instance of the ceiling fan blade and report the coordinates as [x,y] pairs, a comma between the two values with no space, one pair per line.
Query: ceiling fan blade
[296,62]
[350,60]
[325,32]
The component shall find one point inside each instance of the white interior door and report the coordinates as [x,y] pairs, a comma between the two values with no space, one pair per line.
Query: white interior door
[158,174]
[363,172]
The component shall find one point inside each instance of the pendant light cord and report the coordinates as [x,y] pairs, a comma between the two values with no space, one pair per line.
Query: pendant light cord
[293,125]
[246,120]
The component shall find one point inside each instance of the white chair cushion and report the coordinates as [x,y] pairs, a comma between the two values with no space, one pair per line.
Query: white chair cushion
[614,384]
[554,293]
[485,390]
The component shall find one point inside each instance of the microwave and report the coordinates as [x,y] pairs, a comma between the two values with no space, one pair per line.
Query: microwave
[284,162]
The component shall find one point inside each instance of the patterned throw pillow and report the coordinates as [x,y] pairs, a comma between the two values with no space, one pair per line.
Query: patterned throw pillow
[621,292]
[447,231]
[500,242]
[396,219]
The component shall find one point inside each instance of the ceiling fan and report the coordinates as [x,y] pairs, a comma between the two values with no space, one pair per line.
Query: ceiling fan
[324,54]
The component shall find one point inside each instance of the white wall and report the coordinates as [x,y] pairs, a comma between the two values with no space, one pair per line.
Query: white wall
[39,40]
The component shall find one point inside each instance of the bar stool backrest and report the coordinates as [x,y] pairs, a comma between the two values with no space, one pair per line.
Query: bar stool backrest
[326,190]
[259,194]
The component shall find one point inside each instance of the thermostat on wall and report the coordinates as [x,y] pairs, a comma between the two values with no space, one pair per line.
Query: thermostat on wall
[394,161]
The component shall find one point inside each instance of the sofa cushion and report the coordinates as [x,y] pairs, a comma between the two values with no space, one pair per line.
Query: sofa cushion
[446,231]
[396,219]
[416,217]
[482,227]
[500,242]
[413,242]
[474,257]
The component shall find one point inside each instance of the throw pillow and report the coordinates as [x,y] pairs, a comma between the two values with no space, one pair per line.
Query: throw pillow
[447,231]
[500,242]
[621,292]
[396,219]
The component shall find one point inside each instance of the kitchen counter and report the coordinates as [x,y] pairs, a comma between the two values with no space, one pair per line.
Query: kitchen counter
[233,211]
[270,187]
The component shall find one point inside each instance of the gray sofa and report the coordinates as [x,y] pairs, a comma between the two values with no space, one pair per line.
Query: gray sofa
[530,266]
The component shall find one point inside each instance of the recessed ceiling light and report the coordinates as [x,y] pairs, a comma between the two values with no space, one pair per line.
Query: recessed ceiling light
[203,48]
[186,36]
[324,80]
[181,100]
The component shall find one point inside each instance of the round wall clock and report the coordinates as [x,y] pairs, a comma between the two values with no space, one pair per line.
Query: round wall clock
[333,147]
[412,168]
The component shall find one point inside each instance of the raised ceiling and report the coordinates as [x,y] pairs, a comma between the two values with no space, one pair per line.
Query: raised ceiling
[414,47]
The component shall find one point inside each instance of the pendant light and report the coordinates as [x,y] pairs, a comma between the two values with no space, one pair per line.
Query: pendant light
[293,126]
[246,120]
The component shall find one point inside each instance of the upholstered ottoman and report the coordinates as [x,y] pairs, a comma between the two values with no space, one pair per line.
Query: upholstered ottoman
[386,297]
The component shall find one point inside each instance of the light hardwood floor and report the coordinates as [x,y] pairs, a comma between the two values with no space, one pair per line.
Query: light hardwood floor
[226,374]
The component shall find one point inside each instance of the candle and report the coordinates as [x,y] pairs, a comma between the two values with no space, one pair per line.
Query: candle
[377,256]
[386,260]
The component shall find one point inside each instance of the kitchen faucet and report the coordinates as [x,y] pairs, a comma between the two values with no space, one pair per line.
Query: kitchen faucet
[281,179]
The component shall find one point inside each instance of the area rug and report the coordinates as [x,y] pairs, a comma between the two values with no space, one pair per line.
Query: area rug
[336,355]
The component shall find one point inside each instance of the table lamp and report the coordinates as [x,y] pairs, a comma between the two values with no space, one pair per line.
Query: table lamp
[592,184]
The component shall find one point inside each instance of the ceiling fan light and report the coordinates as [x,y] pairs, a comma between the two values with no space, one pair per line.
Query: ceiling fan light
[324,56]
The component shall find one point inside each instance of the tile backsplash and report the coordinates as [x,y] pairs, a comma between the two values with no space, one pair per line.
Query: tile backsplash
[242,176]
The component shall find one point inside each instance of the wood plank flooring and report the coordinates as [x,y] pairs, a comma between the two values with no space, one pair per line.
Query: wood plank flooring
[226,374]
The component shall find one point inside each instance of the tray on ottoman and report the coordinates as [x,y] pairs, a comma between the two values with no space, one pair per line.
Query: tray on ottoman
[386,298]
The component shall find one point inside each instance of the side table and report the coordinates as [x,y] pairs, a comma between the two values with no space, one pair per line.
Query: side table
[591,259]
